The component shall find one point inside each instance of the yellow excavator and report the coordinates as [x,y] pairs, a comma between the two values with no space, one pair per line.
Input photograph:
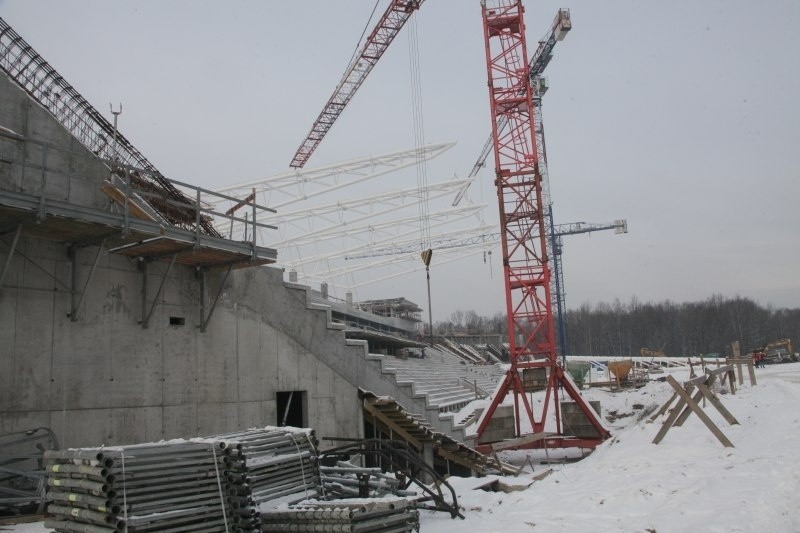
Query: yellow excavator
[779,351]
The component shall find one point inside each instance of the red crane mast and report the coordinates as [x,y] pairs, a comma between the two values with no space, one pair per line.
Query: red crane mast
[384,32]
[523,236]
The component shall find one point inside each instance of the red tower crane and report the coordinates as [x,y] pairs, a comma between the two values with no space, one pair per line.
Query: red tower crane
[532,348]
[384,32]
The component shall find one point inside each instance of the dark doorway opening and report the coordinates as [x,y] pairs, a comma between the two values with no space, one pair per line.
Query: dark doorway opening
[292,409]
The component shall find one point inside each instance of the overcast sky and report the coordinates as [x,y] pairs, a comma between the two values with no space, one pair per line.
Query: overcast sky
[681,117]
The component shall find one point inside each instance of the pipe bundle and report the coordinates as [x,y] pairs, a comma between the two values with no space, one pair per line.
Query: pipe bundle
[267,467]
[210,484]
[145,487]
[356,516]
[346,480]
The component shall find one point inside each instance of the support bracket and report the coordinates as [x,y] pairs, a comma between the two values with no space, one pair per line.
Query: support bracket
[73,315]
[146,318]
[11,251]
[205,319]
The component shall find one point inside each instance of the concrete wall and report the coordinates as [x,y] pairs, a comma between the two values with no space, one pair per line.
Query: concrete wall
[78,174]
[104,379]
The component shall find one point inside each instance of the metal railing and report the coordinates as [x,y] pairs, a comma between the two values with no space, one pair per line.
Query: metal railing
[134,193]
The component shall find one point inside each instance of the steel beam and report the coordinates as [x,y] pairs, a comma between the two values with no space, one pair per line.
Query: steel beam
[73,315]
[146,319]
[205,320]
[11,251]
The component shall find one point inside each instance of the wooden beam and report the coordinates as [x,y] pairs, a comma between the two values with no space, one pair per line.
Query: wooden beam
[720,370]
[713,400]
[521,441]
[686,411]
[458,459]
[699,412]
[694,381]
[371,409]
[676,411]
[752,372]
[663,408]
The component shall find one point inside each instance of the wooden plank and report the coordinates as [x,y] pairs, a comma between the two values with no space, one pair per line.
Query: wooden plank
[368,407]
[686,411]
[714,400]
[695,380]
[513,443]
[459,459]
[720,370]
[118,196]
[699,412]
[663,408]
[752,373]
[732,380]
[676,411]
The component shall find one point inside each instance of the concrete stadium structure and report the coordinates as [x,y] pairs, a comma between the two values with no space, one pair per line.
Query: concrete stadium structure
[80,277]
[103,378]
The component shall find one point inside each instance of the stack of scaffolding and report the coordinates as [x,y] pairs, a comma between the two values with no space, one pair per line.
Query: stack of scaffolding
[137,488]
[211,484]
[268,467]
[386,515]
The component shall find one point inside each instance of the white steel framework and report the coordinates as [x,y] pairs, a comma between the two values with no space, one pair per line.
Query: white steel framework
[313,238]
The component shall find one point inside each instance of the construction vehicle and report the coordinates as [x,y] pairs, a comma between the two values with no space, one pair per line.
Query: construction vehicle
[779,351]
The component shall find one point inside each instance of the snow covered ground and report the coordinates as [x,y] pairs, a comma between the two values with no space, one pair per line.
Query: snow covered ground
[688,482]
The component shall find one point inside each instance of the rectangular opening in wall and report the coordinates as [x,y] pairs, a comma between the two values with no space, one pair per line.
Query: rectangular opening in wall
[177,321]
[292,409]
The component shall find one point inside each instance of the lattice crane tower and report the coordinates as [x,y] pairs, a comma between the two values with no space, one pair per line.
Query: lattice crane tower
[382,35]
[523,236]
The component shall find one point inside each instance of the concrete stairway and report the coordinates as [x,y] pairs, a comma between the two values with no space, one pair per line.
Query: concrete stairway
[436,387]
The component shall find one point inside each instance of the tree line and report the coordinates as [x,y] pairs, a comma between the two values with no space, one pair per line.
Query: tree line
[677,329]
